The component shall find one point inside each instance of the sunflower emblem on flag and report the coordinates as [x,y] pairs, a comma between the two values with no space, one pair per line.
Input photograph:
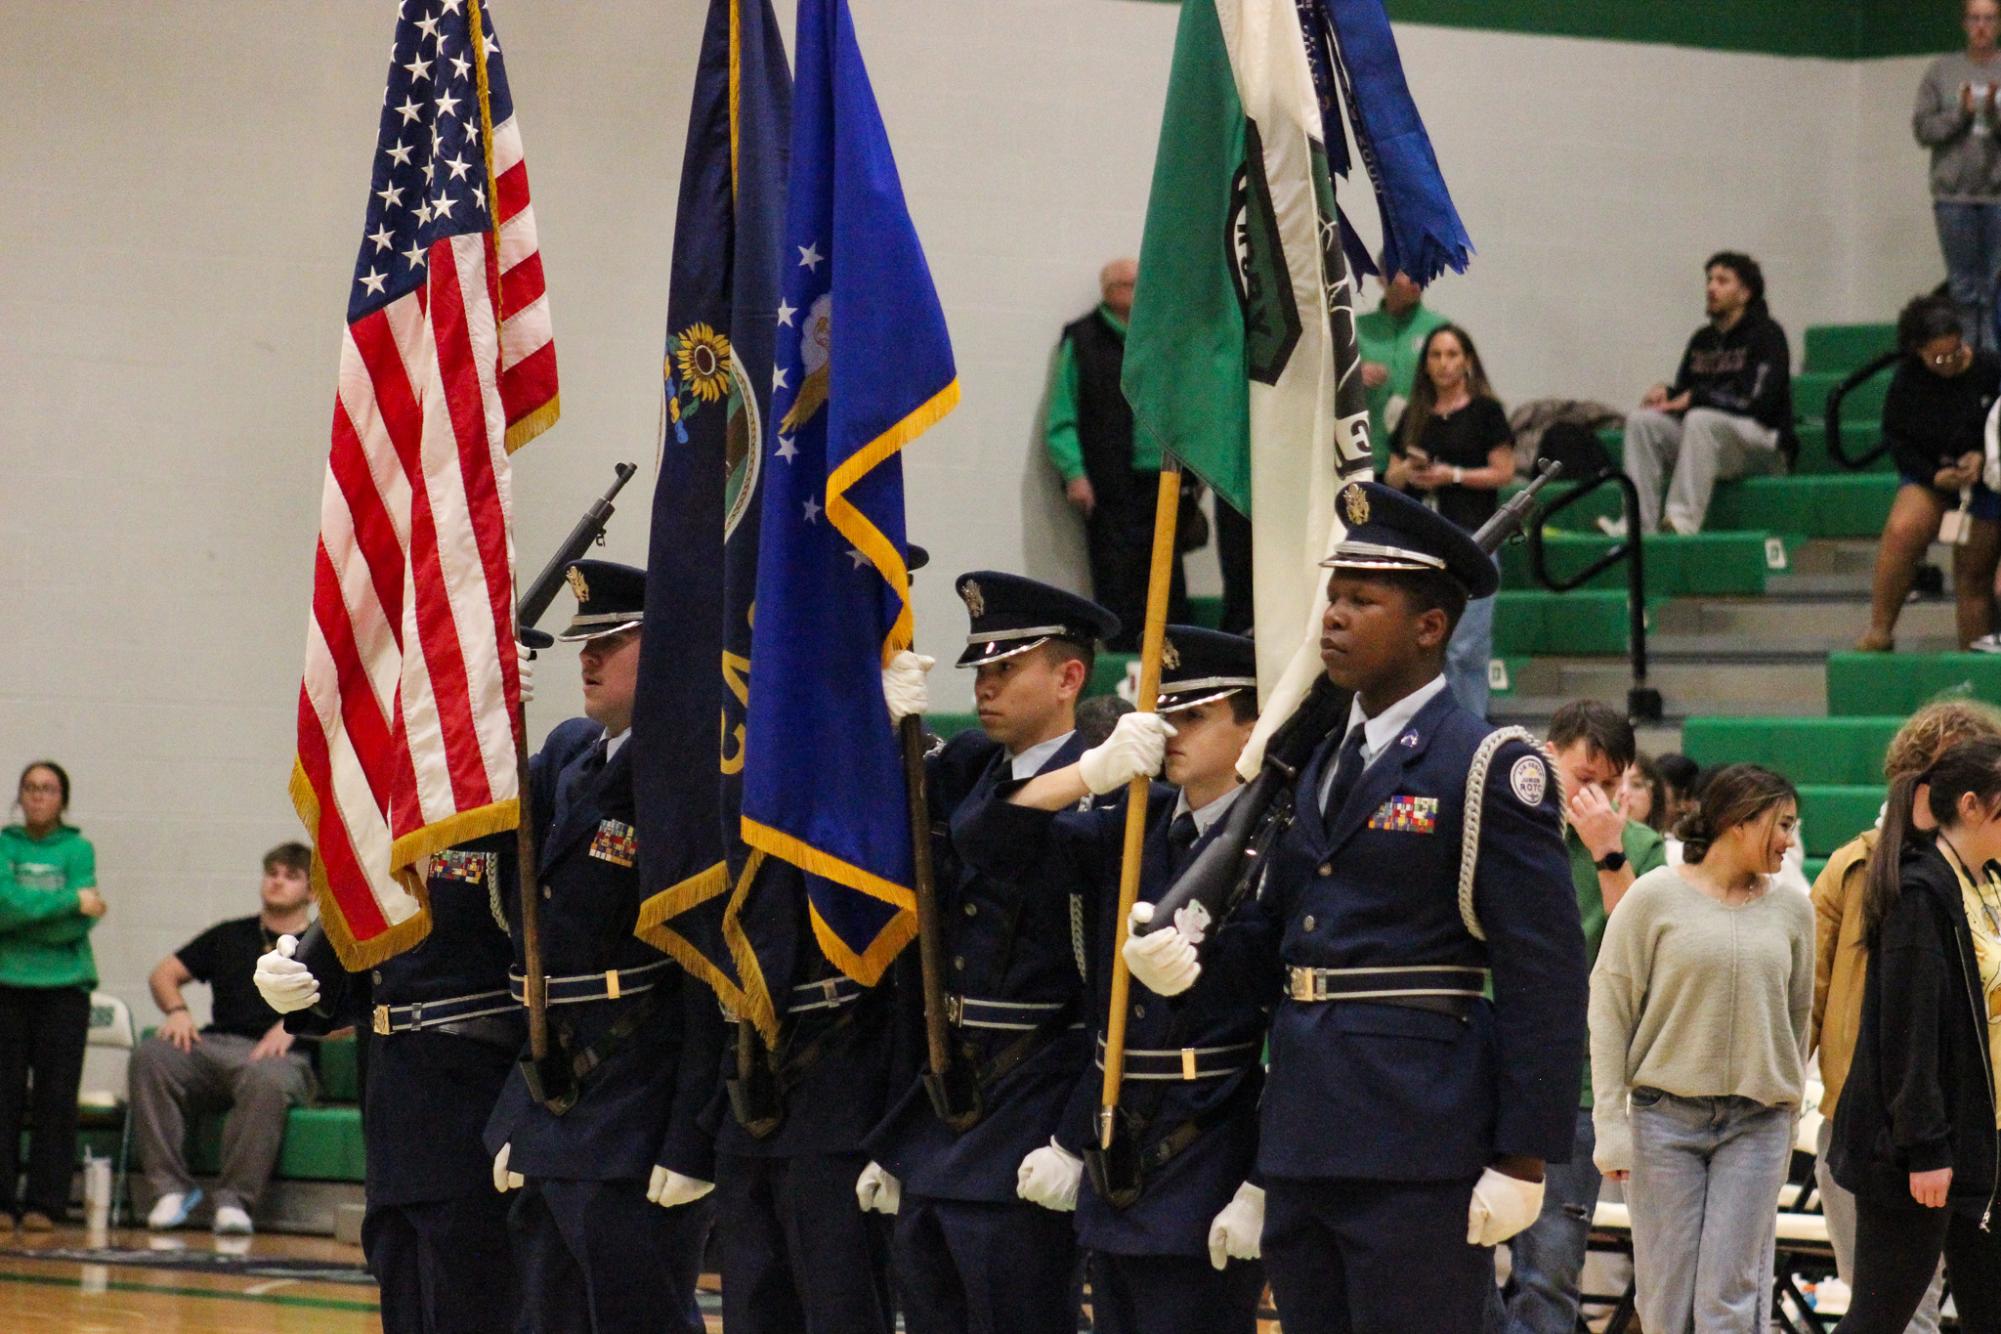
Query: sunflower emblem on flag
[703,356]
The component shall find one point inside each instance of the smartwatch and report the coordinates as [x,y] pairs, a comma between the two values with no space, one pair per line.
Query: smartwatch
[1612,861]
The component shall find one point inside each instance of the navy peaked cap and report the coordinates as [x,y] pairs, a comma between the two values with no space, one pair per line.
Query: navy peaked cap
[610,597]
[1199,665]
[1012,615]
[1390,531]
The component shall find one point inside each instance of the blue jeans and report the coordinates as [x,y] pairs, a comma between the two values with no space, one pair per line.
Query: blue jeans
[1969,236]
[1466,657]
[1548,1256]
[1704,1200]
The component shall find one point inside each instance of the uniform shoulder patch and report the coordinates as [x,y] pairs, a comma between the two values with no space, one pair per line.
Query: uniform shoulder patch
[1529,780]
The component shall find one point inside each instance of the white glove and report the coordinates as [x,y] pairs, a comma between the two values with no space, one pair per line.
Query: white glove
[285,983]
[669,1188]
[1237,1233]
[1502,1206]
[1135,749]
[504,1180]
[1050,1177]
[904,687]
[1164,962]
[876,1189]
[525,670]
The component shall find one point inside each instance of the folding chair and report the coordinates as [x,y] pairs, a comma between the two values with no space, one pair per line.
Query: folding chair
[103,1102]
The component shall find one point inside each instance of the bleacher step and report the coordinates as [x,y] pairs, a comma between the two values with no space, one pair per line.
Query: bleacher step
[1709,684]
[1780,627]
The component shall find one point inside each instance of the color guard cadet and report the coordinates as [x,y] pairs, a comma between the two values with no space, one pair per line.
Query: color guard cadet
[441,1033]
[974,1247]
[1162,1215]
[611,1218]
[1407,1117]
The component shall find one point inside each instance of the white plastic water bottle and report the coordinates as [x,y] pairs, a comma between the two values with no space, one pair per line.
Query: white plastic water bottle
[97,1197]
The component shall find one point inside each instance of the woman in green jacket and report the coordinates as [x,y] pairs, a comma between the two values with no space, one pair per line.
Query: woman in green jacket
[48,904]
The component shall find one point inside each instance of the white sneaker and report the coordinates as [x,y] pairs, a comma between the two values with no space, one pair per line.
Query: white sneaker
[1986,644]
[172,1209]
[1611,527]
[232,1221]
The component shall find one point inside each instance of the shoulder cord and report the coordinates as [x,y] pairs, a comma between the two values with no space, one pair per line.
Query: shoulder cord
[1476,800]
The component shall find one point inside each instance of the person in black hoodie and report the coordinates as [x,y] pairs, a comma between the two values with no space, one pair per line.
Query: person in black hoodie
[1915,1135]
[1729,412]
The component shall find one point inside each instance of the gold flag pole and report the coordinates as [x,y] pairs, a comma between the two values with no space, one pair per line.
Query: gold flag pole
[1158,585]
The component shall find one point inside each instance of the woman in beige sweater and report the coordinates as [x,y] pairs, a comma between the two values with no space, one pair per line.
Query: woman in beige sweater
[1699,1009]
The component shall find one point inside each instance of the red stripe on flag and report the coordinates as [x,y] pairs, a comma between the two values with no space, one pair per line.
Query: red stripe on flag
[374,530]
[529,383]
[521,285]
[346,879]
[360,712]
[510,191]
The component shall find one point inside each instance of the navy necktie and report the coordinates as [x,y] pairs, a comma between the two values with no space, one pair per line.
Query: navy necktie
[1181,838]
[1347,769]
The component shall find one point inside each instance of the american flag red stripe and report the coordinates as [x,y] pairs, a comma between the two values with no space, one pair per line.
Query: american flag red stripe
[410,695]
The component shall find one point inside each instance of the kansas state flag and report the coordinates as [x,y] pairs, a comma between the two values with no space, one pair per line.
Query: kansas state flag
[862,367]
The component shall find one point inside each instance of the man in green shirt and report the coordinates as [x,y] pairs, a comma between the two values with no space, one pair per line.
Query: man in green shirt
[1392,341]
[1592,745]
[1111,476]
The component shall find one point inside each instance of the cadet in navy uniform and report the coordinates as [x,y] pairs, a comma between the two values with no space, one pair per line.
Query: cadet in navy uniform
[1161,1260]
[974,1249]
[442,1033]
[1406,1116]
[596,1248]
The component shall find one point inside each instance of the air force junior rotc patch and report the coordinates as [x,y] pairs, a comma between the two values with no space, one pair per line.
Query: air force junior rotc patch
[1529,780]
[1407,815]
[616,842]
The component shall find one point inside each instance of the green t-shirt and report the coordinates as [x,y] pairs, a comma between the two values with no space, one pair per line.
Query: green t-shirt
[1395,341]
[1646,850]
[44,940]
[1059,423]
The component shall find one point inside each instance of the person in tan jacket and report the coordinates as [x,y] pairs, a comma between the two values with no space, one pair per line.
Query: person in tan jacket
[1840,958]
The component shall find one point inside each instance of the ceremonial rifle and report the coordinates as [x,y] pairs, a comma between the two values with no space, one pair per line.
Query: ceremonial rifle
[551,1081]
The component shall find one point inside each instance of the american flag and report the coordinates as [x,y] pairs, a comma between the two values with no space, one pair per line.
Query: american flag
[410,699]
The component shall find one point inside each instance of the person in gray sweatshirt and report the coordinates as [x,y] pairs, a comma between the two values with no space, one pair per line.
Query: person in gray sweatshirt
[1956,119]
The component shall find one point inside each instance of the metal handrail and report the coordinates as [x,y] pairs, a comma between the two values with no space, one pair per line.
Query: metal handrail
[1831,413]
[1643,703]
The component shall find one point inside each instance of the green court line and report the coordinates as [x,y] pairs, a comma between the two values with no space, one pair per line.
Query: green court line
[169,1290]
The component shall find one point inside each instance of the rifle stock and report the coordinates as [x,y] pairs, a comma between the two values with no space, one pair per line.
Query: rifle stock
[1228,862]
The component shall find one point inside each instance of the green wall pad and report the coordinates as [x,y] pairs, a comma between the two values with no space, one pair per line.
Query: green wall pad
[1711,564]
[1875,682]
[1842,348]
[321,1144]
[1806,750]
[1833,813]
[1528,622]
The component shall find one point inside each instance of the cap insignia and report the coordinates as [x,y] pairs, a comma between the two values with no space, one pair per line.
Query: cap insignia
[976,601]
[577,584]
[1355,503]
[1170,656]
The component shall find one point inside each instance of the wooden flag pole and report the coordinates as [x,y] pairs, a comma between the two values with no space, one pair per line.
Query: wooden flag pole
[1159,583]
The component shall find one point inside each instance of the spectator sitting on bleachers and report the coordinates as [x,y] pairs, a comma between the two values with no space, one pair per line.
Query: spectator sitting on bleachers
[1729,412]
[1699,1008]
[1933,419]
[242,1061]
[1841,961]
[1455,450]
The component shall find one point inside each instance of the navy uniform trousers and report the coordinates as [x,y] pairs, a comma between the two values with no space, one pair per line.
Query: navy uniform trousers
[1378,1118]
[435,1230]
[969,1256]
[1148,1262]
[595,1254]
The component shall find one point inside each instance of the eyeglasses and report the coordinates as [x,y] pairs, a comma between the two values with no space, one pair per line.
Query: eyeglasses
[42,789]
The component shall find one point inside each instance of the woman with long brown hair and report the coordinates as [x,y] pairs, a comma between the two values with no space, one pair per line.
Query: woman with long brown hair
[1917,1131]
[1455,450]
[1699,1005]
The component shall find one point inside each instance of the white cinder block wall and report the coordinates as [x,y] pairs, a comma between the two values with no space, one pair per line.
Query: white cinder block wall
[184,193]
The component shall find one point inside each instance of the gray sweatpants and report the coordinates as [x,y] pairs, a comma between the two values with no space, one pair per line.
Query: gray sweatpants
[1839,1207]
[169,1086]
[1693,452]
